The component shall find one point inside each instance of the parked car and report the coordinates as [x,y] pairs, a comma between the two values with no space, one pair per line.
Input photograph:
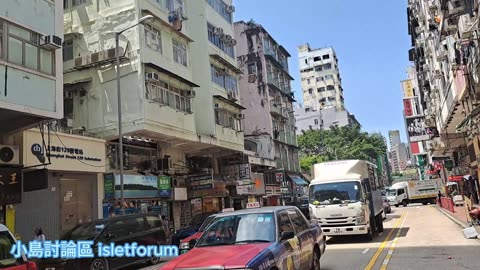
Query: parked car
[276,237]
[144,229]
[191,229]
[7,261]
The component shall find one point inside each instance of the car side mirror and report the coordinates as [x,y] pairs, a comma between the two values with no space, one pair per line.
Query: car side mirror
[287,236]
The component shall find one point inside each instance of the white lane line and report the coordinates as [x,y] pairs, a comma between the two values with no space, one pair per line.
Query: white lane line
[392,246]
[380,234]
[365,251]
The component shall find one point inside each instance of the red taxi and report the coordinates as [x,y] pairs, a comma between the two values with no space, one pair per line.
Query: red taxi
[188,243]
[278,237]
[7,261]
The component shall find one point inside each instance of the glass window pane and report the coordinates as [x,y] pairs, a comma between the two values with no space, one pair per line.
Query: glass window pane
[46,64]
[31,56]
[19,32]
[15,50]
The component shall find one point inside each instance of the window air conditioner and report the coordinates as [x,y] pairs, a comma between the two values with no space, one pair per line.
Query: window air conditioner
[218,31]
[190,93]
[230,9]
[51,42]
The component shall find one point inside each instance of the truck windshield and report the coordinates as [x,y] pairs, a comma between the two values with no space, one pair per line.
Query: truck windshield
[335,193]
[391,192]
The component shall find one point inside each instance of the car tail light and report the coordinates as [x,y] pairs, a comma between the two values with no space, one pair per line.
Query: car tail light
[31,266]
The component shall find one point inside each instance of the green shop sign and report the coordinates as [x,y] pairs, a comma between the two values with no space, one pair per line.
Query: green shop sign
[164,186]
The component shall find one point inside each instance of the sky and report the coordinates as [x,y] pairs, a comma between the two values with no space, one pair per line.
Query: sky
[371,41]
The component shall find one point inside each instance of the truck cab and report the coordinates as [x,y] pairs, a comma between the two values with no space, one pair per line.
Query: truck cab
[345,198]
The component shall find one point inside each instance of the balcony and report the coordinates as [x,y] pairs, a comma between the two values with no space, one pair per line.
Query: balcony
[280,86]
[165,97]
[272,55]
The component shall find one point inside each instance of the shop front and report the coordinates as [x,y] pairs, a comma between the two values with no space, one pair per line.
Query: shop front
[251,190]
[206,193]
[66,190]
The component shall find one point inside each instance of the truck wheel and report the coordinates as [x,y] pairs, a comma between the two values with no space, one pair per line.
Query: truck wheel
[379,224]
[433,202]
[396,205]
[369,235]
[424,203]
[404,203]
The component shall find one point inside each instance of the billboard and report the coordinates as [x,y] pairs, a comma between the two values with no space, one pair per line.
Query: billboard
[417,131]
[407,88]
[407,107]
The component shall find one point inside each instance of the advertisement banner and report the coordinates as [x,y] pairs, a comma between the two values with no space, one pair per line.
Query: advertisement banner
[137,186]
[109,186]
[407,88]
[164,186]
[407,107]
[202,182]
[257,187]
[416,129]
[10,186]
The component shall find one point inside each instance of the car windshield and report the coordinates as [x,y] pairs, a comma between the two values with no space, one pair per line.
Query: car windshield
[85,231]
[206,223]
[391,192]
[6,243]
[239,229]
[335,193]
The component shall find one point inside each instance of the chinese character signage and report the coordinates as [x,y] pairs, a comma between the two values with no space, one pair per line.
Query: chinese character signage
[407,107]
[164,186]
[279,177]
[407,88]
[417,130]
[256,187]
[10,186]
[201,182]
[109,186]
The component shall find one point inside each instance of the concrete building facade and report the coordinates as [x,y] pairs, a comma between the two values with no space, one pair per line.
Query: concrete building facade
[266,94]
[320,75]
[307,118]
[394,137]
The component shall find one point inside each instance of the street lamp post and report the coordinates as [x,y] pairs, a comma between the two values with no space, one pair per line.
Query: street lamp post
[120,133]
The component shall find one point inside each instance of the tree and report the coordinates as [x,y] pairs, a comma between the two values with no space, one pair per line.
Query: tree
[348,142]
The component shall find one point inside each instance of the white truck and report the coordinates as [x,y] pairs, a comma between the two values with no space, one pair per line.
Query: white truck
[425,191]
[345,198]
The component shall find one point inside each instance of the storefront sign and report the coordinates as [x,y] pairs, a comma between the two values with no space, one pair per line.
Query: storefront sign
[279,177]
[109,186]
[10,186]
[237,172]
[407,88]
[203,182]
[272,190]
[164,186]
[257,187]
[407,107]
[66,152]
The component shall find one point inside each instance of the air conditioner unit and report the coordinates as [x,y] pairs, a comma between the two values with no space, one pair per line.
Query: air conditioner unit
[152,77]
[228,38]
[218,31]
[51,42]
[82,60]
[9,155]
[111,53]
[190,93]
[230,9]
[232,42]
[216,106]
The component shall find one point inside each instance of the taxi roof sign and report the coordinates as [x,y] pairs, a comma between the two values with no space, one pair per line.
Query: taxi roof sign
[228,210]
[253,205]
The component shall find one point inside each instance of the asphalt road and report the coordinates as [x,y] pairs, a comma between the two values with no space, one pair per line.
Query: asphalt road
[415,237]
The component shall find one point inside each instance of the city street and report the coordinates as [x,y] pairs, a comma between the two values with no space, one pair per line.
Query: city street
[424,239]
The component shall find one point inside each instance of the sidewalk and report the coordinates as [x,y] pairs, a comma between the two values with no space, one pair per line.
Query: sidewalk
[459,217]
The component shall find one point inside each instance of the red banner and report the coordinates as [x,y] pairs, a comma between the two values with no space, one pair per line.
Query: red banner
[407,107]
[414,148]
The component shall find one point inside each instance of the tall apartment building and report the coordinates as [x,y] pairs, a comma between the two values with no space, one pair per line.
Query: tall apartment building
[394,137]
[266,94]
[399,156]
[320,75]
[31,35]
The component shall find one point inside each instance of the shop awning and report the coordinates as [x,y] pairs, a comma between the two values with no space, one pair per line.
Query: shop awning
[297,179]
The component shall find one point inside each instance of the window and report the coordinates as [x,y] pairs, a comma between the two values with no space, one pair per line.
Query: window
[174,5]
[228,119]
[153,38]
[330,87]
[321,89]
[284,224]
[326,56]
[318,68]
[329,77]
[67,50]
[323,99]
[223,79]
[327,66]
[168,95]
[65,4]
[308,81]
[6,259]
[78,2]
[401,191]
[218,42]
[127,226]
[221,8]
[310,91]
[180,53]
[316,121]
[317,58]
[331,98]
[298,221]
[319,79]
[252,69]
[23,49]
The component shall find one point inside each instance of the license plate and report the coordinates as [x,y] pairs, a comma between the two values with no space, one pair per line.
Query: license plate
[50,268]
[181,252]
[338,230]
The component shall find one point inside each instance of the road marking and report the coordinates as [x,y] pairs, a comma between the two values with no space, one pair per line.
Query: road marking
[365,251]
[392,247]
[380,234]
[384,243]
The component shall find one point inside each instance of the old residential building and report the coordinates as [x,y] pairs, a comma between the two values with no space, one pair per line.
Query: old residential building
[267,96]
[320,75]
[31,93]
[307,118]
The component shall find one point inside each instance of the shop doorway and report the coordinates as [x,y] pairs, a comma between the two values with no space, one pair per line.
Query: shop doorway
[76,202]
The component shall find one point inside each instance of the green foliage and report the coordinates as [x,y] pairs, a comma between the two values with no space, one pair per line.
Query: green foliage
[339,143]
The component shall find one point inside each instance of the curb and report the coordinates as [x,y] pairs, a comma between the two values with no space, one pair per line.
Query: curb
[452,218]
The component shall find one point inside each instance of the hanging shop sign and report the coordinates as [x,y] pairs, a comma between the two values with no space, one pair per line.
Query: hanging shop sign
[407,107]
[164,186]
[66,152]
[417,130]
[237,172]
[109,186]
[256,187]
[10,186]
[201,182]
[407,88]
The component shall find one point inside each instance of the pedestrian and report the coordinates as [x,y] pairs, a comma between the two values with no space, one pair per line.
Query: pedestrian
[39,236]
[440,198]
